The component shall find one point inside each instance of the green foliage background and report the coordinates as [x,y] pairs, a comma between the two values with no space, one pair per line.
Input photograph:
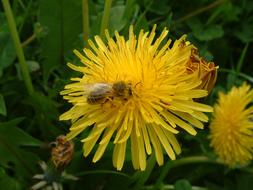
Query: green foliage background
[51,29]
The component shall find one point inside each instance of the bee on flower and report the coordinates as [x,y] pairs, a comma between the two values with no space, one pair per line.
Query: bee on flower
[135,90]
[102,92]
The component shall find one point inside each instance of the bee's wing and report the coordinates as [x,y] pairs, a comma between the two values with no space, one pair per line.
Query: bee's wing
[97,88]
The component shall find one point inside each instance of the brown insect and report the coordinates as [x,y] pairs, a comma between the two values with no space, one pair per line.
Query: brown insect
[62,151]
[99,93]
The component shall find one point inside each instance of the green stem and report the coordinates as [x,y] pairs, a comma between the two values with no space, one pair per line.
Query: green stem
[102,172]
[183,161]
[18,47]
[31,38]
[85,21]
[144,175]
[106,16]
[28,40]
[199,11]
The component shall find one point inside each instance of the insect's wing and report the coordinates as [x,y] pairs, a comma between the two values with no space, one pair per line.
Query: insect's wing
[97,88]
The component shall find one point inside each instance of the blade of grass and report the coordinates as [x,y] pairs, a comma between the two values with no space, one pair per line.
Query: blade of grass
[241,59]
[18,46]
[105,18]
[86,25]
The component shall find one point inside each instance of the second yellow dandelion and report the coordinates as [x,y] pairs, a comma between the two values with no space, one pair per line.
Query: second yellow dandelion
[232,126]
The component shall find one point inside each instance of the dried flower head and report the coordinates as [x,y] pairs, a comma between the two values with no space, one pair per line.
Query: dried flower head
[205,71]
[62,151]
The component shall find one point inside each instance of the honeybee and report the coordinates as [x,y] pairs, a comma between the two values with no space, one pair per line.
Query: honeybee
[100,93]
[62,151]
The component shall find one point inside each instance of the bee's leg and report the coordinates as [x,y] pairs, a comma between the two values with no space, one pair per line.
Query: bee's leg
[110,99]
[107,100]
[103,104]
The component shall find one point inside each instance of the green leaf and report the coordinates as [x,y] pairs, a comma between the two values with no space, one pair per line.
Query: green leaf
[7,50]
[12,139]
[33,65]
[63,21]
[117,20]
[141,23]
[11,123]
[8,54]
[43,105]
[160,8]
[129,9]
[205,33]
[18,136]
[227,11]
[45,114]
[245,32]
[183,184]
[2,106]
[209,33]
[7,182]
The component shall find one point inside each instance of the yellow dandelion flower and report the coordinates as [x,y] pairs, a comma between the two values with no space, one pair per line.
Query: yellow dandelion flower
[232,126]
[138,89]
